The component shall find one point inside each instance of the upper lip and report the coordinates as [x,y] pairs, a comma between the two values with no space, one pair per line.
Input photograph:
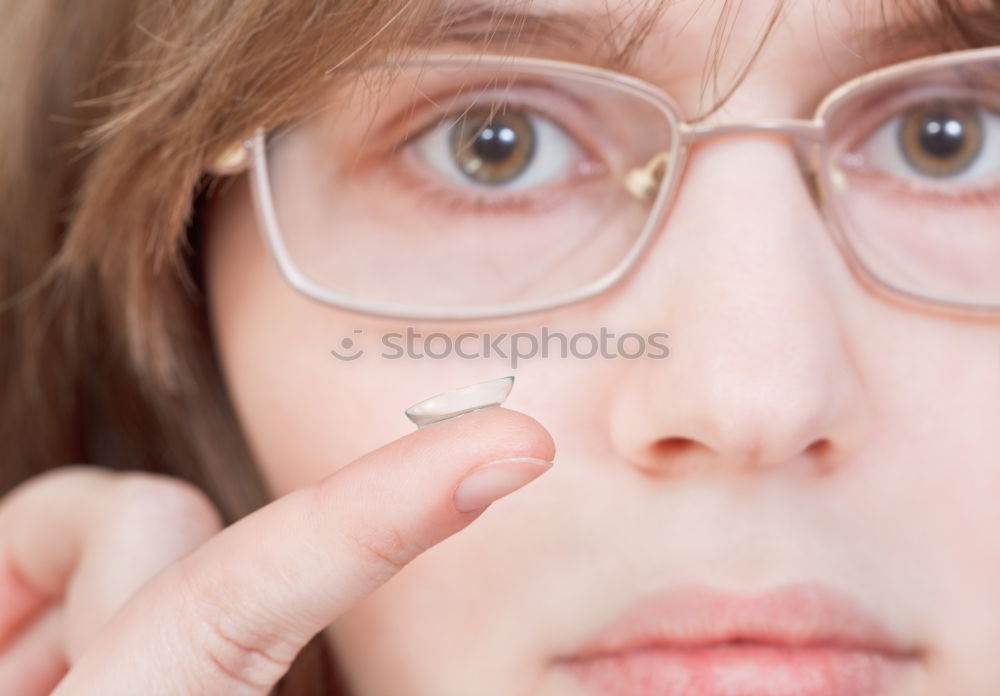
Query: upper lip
[792,616]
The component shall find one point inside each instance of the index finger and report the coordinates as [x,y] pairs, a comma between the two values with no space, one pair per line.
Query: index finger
[231,616]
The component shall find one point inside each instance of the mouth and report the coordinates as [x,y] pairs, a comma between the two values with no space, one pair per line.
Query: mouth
[797,640]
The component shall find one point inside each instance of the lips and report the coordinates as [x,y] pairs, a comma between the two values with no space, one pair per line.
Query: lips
[797,640]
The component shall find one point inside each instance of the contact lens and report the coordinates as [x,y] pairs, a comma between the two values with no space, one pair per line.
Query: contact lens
[459,401]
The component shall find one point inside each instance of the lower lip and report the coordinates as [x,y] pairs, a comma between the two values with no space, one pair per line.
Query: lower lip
[730,669]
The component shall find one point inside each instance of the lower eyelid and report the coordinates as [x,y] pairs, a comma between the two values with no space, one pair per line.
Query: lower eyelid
[481,199]
[918,188]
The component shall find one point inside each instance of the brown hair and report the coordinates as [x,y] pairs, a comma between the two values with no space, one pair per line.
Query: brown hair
[110,111]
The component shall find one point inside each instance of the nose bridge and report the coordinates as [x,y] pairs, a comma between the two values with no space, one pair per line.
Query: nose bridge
[806,136]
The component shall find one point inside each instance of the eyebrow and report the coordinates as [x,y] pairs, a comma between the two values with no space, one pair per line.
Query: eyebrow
[613,37]
[609,37]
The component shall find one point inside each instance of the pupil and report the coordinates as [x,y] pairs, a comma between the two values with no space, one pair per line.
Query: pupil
[495,143]
[941,135]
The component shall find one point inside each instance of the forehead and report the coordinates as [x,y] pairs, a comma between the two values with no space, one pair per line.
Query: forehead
[805,47]
[630,27]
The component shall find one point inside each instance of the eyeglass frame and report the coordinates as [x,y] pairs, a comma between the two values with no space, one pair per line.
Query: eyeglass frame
[807,135]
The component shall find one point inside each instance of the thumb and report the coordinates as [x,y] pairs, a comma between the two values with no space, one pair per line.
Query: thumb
[230,617]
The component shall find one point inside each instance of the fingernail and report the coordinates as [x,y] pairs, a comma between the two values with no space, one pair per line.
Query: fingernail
[458,401]
[494,480]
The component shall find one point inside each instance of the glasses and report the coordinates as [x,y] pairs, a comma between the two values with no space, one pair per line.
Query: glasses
[460,186]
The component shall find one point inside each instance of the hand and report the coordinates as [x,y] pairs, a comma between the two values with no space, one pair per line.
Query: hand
[124,583]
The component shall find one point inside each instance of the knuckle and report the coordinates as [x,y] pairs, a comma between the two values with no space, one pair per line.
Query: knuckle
[240,656]
[238,661]
[153,501]
[384,549]
[45,484]
[71,472]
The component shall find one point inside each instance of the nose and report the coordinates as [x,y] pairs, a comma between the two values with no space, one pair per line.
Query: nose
[754,297]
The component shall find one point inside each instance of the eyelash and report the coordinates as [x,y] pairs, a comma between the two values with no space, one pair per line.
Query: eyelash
[476,204]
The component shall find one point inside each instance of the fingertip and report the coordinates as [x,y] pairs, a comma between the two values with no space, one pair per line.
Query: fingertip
[531,431]
[493,432]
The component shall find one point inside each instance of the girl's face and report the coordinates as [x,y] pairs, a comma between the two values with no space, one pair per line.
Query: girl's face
[803,434]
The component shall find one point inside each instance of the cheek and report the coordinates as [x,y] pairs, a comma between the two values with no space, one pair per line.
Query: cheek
[928,497]
[306,413]
[303,412]
[917,498]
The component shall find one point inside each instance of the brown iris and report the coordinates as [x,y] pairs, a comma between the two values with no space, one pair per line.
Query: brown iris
[941,139]
[491,147]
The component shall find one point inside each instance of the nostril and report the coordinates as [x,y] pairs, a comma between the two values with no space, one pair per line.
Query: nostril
[821,452]
[671,447]
[669,456]
[675,454]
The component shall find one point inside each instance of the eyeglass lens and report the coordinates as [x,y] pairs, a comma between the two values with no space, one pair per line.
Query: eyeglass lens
[466,182]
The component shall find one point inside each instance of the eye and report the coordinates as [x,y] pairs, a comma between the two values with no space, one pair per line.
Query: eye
[500,148]
[938,140]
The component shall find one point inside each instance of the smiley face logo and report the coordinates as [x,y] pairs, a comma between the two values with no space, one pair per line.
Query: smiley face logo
[347,344]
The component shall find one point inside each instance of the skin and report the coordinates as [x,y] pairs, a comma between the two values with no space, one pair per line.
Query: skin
[801,429]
